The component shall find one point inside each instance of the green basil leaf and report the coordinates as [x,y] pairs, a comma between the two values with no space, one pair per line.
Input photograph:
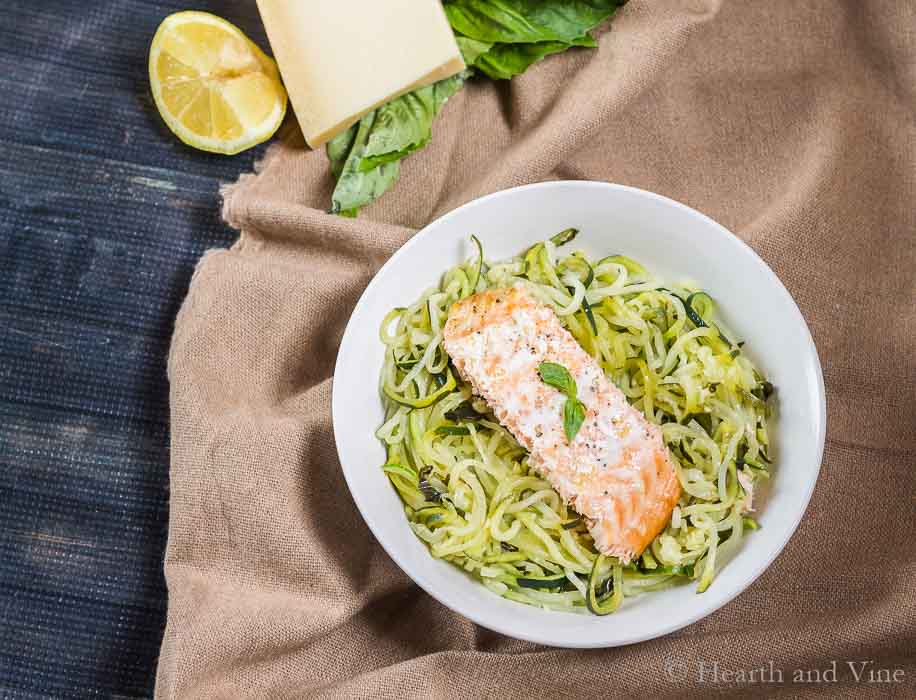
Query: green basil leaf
[339,148]
[471,49]
[365,158]
[356,187]
[401,126]
[573,417]
[405,124]
[558,377]
[505,61]
[527,21]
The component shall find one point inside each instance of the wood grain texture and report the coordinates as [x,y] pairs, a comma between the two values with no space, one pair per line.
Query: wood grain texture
[103,215]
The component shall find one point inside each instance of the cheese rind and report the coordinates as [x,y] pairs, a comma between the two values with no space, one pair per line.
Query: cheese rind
[340,59]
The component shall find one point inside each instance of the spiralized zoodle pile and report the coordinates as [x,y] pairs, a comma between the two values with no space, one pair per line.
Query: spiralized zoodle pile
[467,489]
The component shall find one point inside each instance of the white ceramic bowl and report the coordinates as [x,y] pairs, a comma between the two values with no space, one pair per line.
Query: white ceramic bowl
[669,238]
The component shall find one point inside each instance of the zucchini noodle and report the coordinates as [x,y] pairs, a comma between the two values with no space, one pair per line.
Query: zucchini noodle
[466,485]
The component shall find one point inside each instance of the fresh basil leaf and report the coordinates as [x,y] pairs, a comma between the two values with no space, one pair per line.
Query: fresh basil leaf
[375,145]
[369,162]
[471,49]
[405,124]
[586,41]
[356,187]
[573,417]
[339,148]
[445,88]
[401,126]
[558,377]
[527,21]
[505,61]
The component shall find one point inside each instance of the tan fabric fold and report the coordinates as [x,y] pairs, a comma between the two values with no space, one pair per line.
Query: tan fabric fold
[793,124]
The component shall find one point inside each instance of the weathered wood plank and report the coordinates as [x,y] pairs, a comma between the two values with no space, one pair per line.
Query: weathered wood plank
[103,215]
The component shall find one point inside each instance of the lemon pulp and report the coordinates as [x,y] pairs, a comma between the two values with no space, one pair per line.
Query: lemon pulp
[215,89]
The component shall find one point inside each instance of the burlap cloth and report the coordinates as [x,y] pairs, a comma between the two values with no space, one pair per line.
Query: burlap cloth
[794,124]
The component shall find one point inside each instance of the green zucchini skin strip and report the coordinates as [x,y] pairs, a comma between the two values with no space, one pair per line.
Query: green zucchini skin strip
[633,267]
[425,401]
[397,469]
[565,236]
[590,315]
[696,317]
[609,603]
[452,430]
[479,267]
[463,412]
[542,581]
[467,489]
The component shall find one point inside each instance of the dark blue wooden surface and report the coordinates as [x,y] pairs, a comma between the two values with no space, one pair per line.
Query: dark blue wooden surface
[103,214]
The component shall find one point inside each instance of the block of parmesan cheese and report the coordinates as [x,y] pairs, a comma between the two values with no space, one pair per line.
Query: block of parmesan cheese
[342,58]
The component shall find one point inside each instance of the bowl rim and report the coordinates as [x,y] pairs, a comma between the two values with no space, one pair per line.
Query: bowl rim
[453,602]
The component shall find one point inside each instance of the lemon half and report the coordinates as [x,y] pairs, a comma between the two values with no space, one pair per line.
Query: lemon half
[215,89]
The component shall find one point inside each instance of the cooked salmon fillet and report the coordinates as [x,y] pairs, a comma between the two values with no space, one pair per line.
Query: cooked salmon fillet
[616,472]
